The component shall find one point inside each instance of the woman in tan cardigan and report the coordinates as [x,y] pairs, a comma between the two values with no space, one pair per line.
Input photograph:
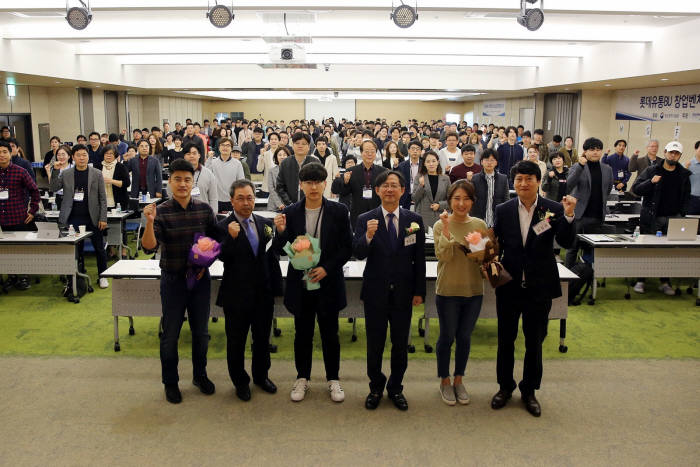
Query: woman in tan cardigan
[459,289]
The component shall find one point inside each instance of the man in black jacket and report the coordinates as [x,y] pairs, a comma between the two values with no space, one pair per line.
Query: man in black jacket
[327,221]
[288,177]
[247,291]
[526,227]
[665,189]
[491,188]
[360,181]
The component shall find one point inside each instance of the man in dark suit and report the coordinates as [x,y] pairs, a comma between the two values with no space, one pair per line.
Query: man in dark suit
[360,181]
[409,169]
[251,280]
[526,227]
[146,173]
[491,188]
[326,220]
[393,241]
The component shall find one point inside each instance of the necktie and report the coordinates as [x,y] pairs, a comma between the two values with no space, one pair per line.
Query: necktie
[392,230]
[252,238]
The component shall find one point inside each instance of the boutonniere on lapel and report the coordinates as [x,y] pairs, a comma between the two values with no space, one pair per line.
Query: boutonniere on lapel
[413,228]
[268,231]
[546,216]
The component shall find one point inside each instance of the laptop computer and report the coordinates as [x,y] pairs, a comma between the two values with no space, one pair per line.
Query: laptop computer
[47,230]
[682,229]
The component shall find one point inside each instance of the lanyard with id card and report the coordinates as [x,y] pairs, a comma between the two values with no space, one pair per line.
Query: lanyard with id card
[4,194]
[367,192]
[78,196]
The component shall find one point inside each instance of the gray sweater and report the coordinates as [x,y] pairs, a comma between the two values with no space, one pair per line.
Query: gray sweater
[225,172]
[207,184]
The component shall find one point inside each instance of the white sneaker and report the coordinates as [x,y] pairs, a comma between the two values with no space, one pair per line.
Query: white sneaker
[299,390]
[639,287]
[336,392]
[104,283]
[667,289]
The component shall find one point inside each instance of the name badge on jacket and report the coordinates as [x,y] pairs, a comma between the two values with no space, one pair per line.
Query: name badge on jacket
[367,193]
[541,227]
[4,194]
[410,240]
[78,196]
[620,175]
[195,191]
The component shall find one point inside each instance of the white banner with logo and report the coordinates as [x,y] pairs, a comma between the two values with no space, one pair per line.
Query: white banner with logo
[493,108]
[674,103]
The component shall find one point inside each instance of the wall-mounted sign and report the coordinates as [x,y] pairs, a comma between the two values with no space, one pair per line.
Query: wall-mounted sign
[494,108]
[673,103]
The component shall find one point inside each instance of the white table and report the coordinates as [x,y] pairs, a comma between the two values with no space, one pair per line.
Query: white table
[134,295]
[624,256]
[115,223]
[24,253]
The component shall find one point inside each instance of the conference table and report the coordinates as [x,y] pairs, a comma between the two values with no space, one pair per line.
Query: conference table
[116,221]
[624,256]
[27,253]
[136,292]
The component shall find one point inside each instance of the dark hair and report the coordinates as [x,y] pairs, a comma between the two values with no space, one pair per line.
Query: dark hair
[620,141]
[181,165]
[367,141]
[569,137]
[112,148]
[533,146]
[80,136]
[113,138]
[274,133]
[144,141]
[300,135]
[188,147]
[240,183]
[189,123]
[415,142]
[258,129]
[177,137]
[145,129]
[512,128]
[423,170]
[555,155]
[526,168]
[557,138]
[285,149]
[468,148]
[462,184]
[451,133]
[321,139]
[349,158]
[225,139]
[527,133]
[592,143]
[489,152]
[434,135]
[94,133]
[697,145]
[130,146]
[136,130]
[78,147]
[313,172]
[5,144]
[53,138]
[154,128]
[539,131]
[382,177]
[520,126]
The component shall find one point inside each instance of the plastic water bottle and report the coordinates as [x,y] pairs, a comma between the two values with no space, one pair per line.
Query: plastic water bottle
[54,207]
[659,233]
[143,197]
[636,232]
[71,231]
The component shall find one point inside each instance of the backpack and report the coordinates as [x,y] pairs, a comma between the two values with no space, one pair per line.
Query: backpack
[81,287]
[578,288]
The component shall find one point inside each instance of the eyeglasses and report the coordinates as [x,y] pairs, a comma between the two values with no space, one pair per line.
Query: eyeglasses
[392,186]
[244,199]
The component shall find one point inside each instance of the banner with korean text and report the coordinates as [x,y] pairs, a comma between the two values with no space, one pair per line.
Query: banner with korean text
[673,103]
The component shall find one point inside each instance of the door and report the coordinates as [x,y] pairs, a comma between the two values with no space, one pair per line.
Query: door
[21,129]
[111,112]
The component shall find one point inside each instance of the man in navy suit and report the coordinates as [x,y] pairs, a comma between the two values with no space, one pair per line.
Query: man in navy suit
[360,181]
[409,169]
[393,241]
[526,227]
[329,222]
[251,279]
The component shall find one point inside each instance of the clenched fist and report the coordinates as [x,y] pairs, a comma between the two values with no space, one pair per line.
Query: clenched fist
[655,179]
[582,160]
[280,222]
[149,212]
[234,228]
[569,203]
[346,177]
[372,226]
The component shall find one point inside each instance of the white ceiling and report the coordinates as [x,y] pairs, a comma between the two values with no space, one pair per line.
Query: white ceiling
[460,47]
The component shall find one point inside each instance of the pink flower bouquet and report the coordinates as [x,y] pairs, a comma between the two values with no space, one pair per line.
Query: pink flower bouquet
[304,254]
[202,255]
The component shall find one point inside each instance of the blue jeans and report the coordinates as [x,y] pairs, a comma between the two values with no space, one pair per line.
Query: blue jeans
[458,317]
[175,299]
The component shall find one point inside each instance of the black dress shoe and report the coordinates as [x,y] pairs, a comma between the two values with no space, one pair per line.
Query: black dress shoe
[22,284]
[399,401]
[172,393]
[204,384]
[243,392]
[267,386]
[532,405]
[500,399]
[372,401]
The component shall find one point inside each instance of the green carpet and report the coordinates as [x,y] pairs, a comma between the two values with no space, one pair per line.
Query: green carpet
[40,322]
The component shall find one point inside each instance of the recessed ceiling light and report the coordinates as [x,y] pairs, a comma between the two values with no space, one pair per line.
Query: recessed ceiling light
[98,86]
[607,85]
[566,89]
[58,82]
[664,79]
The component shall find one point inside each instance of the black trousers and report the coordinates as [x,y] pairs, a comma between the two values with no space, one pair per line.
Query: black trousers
[377,320]
[585,225]
[304,324]
[535,313]
[258,318]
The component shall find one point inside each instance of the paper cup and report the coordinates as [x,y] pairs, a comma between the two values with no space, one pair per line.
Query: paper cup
[81,229]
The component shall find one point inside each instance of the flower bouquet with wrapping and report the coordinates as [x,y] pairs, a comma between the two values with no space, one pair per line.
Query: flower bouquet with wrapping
[483,249]
[202,255]
[304,254]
